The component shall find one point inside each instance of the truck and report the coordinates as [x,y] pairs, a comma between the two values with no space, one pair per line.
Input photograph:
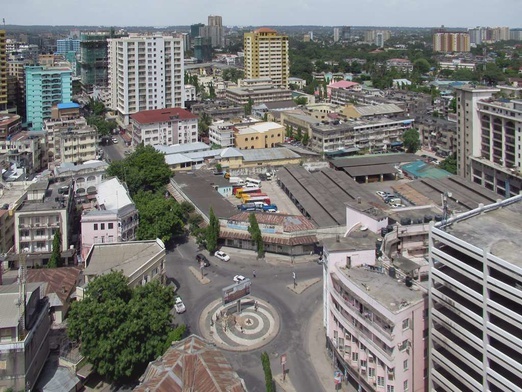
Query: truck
[244,191]
[265,199]
[269,208]
[248,196]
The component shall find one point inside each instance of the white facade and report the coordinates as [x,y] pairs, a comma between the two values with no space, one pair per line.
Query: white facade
[145,72]
[221,133]
[475,300]
[190,93]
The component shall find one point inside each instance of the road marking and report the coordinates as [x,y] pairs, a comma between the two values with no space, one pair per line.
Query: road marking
[180,252]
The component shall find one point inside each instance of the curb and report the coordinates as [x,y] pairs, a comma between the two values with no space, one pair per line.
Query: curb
[300,287]
[197,275]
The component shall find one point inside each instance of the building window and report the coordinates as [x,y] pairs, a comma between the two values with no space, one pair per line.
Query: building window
[405,324]
[110,225]
[371,372]
[405,364]
[102,226]
[405,385]
[355,357]
[390,388]
[95,226]
[380,381]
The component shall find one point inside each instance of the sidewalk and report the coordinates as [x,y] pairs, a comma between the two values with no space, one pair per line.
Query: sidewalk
[318,356]
[250,257]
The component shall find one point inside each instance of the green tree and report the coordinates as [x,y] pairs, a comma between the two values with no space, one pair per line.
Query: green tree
[301,100]
[269,379]
[144,170]
[450,164]
[121,329]
[160,217]
[411,140]
[204,123]
[248,107]
[56,258]
[255,233]
[175,335]
[103,126]
[306,139]
[212,232]
[299,135]
[421,66]
[288,131]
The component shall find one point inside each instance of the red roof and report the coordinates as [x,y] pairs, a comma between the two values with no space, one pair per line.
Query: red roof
[265,30]
[162,115]
[343,84]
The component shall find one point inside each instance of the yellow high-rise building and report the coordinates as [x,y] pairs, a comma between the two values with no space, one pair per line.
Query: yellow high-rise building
[266,56]
[3,72]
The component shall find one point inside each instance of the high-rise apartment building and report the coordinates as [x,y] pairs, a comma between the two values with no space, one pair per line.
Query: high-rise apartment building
[145,73]
[451,42]
[3,72]
[488,148]
[336,34]
[94,60]
[45,87]
[480,35]
[475,300]
[266,56]
[214,31]
[377,37]
[63,46]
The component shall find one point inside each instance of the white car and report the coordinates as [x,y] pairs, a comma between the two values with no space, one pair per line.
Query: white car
[179,305]
[381,193]
[222,255]
[395,205]
[114,141]
[239,278]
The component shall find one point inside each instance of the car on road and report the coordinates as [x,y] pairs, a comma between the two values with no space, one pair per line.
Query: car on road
[222,255]
[397,205]
[239,278]
[179,305]
[202,259]
[381,193]
[114,140]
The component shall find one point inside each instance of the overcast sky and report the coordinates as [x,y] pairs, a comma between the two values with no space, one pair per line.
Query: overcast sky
[417,13]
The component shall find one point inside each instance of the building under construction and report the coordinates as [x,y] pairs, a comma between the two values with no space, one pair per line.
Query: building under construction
[94,59]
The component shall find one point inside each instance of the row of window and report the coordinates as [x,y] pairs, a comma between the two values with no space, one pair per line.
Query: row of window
[102,226]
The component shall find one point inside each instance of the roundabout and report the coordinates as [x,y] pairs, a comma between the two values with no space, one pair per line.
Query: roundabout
[244,325]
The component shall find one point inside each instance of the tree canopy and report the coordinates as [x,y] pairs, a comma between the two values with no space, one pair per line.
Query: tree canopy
[450,164]
[121,329]
[144,170]
[411,139]
[56,259]
[255,232]
[212,232]
[103,126]
[160,217]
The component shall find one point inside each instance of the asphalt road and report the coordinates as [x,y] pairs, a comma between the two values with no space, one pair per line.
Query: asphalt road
[114,152]
[269,285]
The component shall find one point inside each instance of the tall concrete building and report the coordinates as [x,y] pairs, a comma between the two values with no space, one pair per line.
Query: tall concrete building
[145,73]
[45,87]
[451,42]
[94,60]
[3,72]
[475,300]
[488,147]
[63,46]
[214,31]
[266,56]
[336,34]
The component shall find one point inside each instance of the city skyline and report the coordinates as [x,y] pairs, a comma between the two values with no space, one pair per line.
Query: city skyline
[393,13]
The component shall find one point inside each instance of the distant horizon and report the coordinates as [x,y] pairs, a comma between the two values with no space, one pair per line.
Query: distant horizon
[139,13]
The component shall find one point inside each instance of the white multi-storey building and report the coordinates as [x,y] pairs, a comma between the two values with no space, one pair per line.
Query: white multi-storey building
[164,127]
[145,73]
[221,133]
[488,145]
[475,300]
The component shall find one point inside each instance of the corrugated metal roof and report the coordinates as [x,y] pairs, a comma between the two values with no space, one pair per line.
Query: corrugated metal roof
[60,281]
[162,115]
[268,154]
[192,364]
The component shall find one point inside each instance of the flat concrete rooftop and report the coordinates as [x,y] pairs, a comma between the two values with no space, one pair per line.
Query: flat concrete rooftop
[387,291]
[499,230]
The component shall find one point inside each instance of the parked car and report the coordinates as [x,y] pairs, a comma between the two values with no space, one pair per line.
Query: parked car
[179,305]
[397,205]
[222,255]
[239,278]
[201,258]
[114,140]
[381,193]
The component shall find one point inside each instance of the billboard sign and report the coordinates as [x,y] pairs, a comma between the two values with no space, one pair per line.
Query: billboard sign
[236,291]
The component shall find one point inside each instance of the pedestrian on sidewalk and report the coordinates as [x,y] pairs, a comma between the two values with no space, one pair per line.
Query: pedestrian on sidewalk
[254,273]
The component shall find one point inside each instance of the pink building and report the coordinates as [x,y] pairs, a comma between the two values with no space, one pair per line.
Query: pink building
[375,321]
[344,85]
[115,218]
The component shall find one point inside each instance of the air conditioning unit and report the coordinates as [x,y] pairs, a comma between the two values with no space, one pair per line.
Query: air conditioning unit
[37,224]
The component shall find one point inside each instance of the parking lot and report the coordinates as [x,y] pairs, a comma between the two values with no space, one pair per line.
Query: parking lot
[276,195]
